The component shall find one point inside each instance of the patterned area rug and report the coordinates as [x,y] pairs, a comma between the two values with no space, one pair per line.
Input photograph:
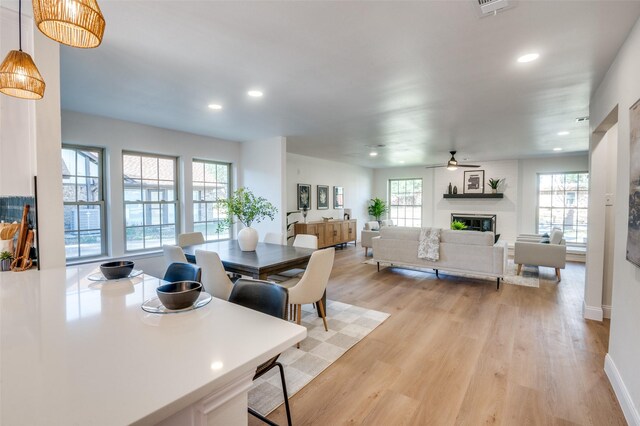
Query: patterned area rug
[348,325]
[530,275]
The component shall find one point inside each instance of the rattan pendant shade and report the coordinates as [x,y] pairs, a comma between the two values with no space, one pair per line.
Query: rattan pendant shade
[76,23]
[19,76]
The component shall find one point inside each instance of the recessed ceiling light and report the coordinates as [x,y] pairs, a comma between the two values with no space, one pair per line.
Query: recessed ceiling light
[373,154]
[215,106]
[563,133]
[401,161]
[557,149]
[528,57]
[255,93]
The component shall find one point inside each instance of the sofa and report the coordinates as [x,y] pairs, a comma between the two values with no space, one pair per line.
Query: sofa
[468,252]
[541,250]
[371,230]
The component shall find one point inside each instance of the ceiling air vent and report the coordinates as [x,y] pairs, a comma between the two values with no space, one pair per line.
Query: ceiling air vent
[492,7]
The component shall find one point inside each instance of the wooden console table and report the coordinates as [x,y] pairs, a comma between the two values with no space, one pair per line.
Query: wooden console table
[330,233]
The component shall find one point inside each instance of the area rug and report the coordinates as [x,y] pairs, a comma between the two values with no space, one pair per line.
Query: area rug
[530,275]
[348,325]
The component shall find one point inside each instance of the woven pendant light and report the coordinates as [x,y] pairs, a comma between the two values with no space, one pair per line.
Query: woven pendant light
[19,76]
[76,23]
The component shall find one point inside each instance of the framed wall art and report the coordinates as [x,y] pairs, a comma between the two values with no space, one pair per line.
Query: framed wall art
[338,197]
[633,226]
[323,197]
[304,196]
[473,182]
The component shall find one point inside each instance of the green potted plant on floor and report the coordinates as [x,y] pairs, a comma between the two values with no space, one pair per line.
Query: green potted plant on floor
[458,226]
[5,260]
[494,184]
[248,209]
[377,208]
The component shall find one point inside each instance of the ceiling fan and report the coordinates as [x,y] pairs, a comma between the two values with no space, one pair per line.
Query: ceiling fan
[453,164]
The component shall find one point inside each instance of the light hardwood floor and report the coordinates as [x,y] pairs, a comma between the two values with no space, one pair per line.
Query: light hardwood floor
[457,352]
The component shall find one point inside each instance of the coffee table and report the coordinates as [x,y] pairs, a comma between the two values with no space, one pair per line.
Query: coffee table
[268,259]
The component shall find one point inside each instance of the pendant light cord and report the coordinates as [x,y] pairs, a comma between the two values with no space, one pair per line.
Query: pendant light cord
[20,24]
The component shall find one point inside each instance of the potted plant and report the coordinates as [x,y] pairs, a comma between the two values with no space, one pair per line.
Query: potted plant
[377,208]
[458,226]
[493,184]
[248,209]
[5,260]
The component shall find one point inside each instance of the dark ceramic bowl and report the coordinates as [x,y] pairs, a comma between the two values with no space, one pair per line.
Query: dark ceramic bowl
[179,295]
[116,270]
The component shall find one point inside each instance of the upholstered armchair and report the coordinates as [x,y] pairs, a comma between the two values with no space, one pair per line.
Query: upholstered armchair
[541,251]
[371,230]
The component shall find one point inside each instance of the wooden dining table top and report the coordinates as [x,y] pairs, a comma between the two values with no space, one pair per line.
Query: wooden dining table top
[266,260]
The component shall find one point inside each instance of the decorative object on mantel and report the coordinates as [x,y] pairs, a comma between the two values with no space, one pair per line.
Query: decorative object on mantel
[19,76]
[248,209]
[473,182]
[450,189]
[633,224]
[323,197]
[77,23]
[5,260]
[458,226]
[494,184]
[455,189]
[304,196]
[338,197]
[377,208]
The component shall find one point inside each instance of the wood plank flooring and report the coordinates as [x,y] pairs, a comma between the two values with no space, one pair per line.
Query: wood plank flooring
[457,352]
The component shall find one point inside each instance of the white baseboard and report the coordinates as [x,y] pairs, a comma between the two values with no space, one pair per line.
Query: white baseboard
[592,312]
[619,388]
[606,311]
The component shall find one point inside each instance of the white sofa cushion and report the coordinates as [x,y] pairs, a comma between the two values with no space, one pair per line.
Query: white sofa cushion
[387,222]
[470,238]
[556,236]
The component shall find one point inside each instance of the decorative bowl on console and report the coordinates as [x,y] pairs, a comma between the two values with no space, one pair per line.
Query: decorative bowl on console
[116,270]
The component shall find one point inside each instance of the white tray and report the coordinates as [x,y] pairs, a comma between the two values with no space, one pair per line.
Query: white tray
[154,306]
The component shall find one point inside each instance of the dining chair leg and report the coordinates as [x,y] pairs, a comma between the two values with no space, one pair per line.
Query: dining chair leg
[324,318]
[298,318]
[285,393]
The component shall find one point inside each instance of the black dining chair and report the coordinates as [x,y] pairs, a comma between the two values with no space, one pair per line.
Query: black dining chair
[270,299]
[183,272]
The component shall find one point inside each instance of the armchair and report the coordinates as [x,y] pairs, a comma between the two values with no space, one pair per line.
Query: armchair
[371,230]
[529,250]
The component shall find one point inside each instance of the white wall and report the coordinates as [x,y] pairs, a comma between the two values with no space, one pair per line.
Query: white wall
[621,88]
[264,173]
[516,212]
[116,136]
[357,183]
[30,138]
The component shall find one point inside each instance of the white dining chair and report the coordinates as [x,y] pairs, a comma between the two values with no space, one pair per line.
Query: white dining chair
[190,239]
[173,254]
[215,280]
[274,238]
[312,285]
[306,241]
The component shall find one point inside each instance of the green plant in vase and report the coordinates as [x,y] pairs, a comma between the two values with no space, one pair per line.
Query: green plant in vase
[494,184]
[248,209]
[5,260]
[377,208]
[458,226]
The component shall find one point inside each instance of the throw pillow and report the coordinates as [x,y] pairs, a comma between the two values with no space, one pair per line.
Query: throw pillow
[556,236]
[544,241]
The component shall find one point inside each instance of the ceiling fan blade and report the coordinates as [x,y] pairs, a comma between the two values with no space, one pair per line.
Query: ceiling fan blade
[434,167]
[467,165]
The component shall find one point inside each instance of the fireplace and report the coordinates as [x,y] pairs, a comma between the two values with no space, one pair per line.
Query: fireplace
[476,222]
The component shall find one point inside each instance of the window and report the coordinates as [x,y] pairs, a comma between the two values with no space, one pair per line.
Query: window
[405,202]
[150,200]
[563,200]
[210,184]
[83,202]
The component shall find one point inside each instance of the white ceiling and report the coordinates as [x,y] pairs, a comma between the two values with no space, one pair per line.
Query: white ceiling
[419,77]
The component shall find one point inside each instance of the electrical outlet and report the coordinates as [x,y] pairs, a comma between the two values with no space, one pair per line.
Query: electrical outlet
[608,199]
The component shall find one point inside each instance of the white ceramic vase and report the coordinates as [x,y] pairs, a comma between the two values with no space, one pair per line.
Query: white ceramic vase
[248,239]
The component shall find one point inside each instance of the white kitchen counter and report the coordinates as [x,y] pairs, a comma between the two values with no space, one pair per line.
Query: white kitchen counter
[77,352]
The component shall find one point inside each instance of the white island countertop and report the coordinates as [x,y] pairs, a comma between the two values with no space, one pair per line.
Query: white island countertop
[78,352]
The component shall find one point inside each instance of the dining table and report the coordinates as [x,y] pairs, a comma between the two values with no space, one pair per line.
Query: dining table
[267,259]
[80,350]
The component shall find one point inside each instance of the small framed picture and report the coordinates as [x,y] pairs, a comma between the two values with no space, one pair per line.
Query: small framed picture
[338,197]
[323,197]
[473,182]
[304,196]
